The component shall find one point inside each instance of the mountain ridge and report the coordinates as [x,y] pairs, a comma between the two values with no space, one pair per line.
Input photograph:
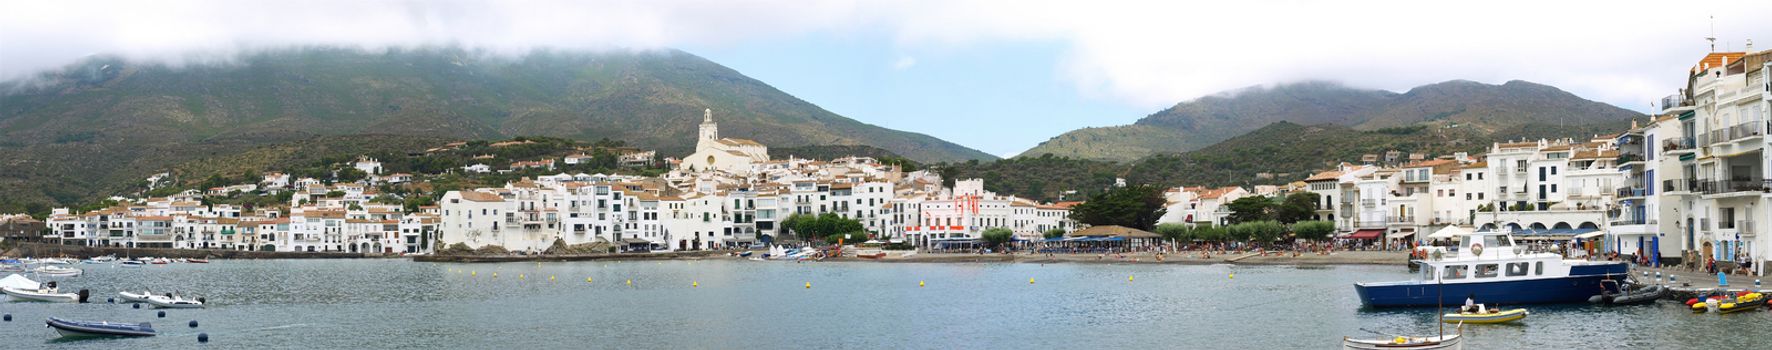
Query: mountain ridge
[1195,124]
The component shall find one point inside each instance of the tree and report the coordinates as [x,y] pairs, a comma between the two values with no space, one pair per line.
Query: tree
[1210,233]
[815,228]
[1298,206]
[1313,230]
[1265,231]
[996,236]
[1132,206]
[1053,233]
[1251,209]
[1175,232]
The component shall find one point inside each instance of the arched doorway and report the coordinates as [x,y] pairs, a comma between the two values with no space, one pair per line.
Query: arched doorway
[1562,226]
[1704,254]
[1589,226]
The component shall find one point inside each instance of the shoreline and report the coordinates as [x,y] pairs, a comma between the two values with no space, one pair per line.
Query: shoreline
[44,250]
[1367,258]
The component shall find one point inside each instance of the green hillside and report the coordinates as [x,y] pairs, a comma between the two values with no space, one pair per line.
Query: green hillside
[90,129]
[1486,111]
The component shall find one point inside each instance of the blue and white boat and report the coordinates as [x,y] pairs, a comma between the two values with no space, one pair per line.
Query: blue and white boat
[72,328]
[1492,269]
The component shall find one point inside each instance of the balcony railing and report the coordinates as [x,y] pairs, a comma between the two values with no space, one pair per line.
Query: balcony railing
[1745,185]
[1738,131]
[1678,144]
[1744,226]
[1632,192]
[1678,185]
[1371,224]
[1368,202]
[1402,219]
[1628,221]
[1674,101]
[1627,158]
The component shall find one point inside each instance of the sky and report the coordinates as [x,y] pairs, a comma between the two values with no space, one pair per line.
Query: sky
[998,76]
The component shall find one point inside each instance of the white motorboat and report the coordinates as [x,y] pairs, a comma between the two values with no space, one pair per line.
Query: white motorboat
[107,258]
[131,263]
[47,292]
[57,271]
[52,261]
[130,297]
[174,302]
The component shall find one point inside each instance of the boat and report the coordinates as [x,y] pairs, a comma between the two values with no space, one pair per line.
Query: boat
[1638,296]
[170,301]
[871,256]
[52,261]
[1440,342]
[57,271]
[1745,302]
[1485,316]
[47,292]
[198,261]
[72,328]
[106,258]
[160,261]
[18,281]
[1491,267]
[131,263]
[129,297]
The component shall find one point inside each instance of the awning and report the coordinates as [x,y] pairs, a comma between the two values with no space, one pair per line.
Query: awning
[635,241]
[1449,232]
[1399,234]
[1590,235]
[1366,234]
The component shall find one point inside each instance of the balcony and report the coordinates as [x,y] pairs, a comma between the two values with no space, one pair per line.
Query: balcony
[1371,224]
[1401,219]
[1629,221]
[1675,101]
[1627,158]
[1738,132]
[1678,185]
[1627,192]
[1368,203]
[1733,186]
[1679,145]
[1745,227]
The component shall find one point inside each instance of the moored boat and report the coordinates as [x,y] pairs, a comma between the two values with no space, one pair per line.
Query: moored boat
[57,271]
[1745,302]
[1638,296]
[198,261]
[72,328]
[1443,342]
[131,297]
[1485,316]
[131,263]
[1490,267]
[47,292]
[170,301]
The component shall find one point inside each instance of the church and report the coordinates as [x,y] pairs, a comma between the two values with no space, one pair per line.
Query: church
[712,153]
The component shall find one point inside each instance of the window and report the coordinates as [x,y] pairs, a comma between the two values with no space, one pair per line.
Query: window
[1538,268]
[1553,188]
[1488,270]
[1479,196]
[1454,272]
[1553,170]
[1516,269]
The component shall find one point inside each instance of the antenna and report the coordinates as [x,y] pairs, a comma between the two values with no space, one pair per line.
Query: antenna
[1713,34]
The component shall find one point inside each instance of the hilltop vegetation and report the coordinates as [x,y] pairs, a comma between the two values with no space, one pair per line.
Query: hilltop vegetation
[1516,109]
[96,127]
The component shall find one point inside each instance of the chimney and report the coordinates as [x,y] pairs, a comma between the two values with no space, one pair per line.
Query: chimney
[1750,46]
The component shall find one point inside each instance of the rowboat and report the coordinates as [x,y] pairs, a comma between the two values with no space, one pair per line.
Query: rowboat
[1443,342]
[72,328]
[1490,316]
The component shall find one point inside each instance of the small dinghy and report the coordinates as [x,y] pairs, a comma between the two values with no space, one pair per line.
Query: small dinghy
[1646,295]
[72,328]
[131,263]
[47,292]
[197,261]
[57,271]
[1485,316]
[130,297]
[170,301]
[1440,342]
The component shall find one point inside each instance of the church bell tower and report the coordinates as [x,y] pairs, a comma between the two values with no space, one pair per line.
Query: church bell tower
[710,132]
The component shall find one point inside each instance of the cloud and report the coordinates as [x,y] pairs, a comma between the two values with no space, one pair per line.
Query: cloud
[1148,54]
[904,62]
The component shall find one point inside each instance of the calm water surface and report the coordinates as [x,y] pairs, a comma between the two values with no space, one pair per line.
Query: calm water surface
[394,304]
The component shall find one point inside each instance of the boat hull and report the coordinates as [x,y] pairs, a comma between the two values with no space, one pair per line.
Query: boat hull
[44,297]
[90,329]
[1571,289]
[1449,342]
[1499,317]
